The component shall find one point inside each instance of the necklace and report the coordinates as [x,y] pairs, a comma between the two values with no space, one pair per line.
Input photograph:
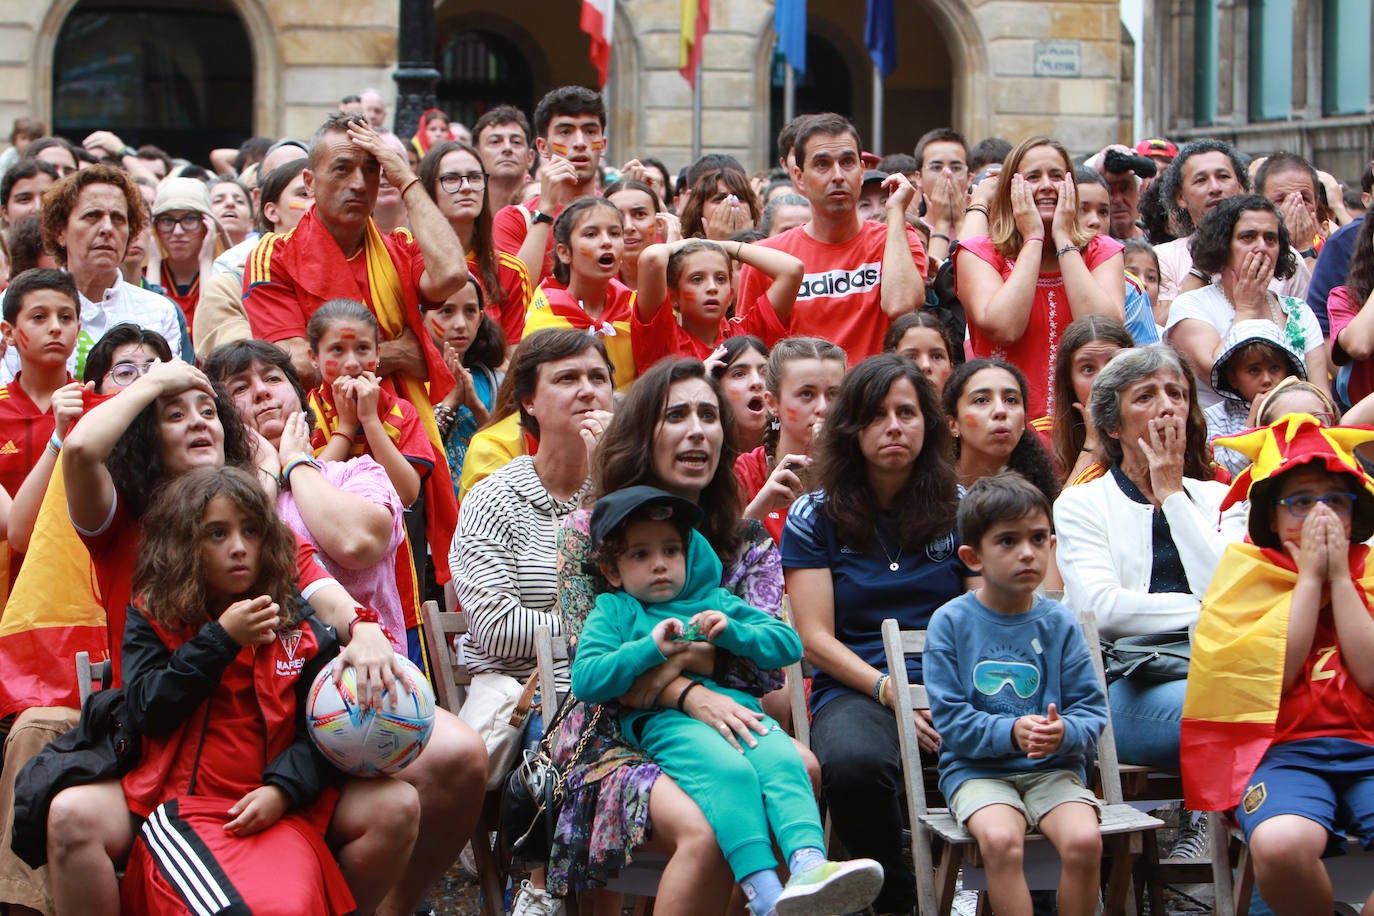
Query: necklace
[892,562]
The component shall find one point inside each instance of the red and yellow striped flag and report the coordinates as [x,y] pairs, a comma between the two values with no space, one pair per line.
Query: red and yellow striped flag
[696,22]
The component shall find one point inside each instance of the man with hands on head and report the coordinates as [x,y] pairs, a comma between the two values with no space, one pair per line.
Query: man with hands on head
[860,275]
[336,251]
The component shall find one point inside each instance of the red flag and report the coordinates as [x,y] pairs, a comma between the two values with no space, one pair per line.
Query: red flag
[696,22]
[598,19]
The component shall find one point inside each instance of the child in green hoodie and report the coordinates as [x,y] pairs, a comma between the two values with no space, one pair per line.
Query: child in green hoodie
[668,596]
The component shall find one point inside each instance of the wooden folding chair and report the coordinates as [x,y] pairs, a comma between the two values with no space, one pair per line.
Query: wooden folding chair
[90,676]
[451,677]
[640,877]
[935,883]
[1352,874]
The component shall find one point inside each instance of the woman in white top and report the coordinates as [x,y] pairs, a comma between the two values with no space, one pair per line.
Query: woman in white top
[1138,546]
[1245,241]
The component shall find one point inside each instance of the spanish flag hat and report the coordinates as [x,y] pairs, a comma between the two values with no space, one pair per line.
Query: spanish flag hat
[1292,441]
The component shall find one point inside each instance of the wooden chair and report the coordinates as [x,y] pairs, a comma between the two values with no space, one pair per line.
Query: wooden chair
[91,677]
[640,877]
[450,679]
[1352,874]
[1121,824]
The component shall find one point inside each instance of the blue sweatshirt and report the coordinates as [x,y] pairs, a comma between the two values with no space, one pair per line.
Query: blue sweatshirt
[984,670]
[616,645]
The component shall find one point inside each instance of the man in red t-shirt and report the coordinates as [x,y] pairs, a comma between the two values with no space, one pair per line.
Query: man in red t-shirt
[570,133]
[288,276]
[859,275]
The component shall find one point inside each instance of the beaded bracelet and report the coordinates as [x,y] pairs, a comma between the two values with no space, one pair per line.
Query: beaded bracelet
[878,688]
[1065,250]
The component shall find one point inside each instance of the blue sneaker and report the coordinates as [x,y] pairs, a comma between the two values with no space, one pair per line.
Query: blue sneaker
[831,888]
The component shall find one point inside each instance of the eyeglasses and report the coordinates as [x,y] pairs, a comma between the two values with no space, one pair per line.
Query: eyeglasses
[1340,503]
[168,224]
[125,374]
[989,677]
[452,183]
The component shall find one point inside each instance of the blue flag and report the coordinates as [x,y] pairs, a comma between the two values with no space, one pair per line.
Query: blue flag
[880,35]
[789,21]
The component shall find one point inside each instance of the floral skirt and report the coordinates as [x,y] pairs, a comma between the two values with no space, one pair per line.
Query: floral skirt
[605,813]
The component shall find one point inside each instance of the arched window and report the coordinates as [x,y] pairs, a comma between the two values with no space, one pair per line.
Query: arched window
[479,70]
[179,78]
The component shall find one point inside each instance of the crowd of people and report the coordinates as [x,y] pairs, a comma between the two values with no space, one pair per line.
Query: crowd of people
[702,425]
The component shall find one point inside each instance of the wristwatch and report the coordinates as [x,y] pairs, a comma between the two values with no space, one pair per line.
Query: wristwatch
[539,216]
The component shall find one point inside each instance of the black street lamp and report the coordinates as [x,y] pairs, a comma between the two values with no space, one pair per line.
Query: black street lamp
[415,74]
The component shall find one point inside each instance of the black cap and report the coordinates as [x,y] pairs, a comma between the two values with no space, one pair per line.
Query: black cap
[613,509]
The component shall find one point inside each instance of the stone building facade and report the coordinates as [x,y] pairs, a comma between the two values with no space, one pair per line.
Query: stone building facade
[1267,75]
[196,78]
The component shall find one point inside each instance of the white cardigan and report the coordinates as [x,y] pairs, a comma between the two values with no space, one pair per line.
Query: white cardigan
[1105,553]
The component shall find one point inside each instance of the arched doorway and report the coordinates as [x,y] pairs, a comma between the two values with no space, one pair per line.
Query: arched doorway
[479,70]
[176,76]
[825,86]
[923,92]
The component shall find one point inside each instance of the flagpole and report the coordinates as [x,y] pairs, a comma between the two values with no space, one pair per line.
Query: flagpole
[789,93]
[696,112]
[877,110]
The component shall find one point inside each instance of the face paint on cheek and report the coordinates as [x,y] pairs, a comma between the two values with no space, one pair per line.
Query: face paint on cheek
[301,205]
[598,145]
[331,366]
[792,415]
[559,149]
[20,336]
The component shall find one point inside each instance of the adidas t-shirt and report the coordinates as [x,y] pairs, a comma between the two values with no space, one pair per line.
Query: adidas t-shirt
[840,295]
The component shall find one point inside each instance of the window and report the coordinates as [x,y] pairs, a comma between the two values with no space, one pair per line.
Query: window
[1345,56]
[180,79]
[1271,59]
[824,86]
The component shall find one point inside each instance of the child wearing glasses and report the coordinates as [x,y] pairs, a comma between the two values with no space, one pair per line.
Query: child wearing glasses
[1015,699]
[1278,723]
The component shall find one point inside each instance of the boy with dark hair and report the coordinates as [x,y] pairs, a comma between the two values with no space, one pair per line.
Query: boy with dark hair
[42,316]
[1253,360]
[1278,723]
[1016,701]
[668,598]
[570,134]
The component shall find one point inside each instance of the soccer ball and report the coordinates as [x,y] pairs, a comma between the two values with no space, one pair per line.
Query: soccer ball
[364,742]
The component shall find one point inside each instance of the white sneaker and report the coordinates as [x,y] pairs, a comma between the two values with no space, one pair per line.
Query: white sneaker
[830,888]
[535,901]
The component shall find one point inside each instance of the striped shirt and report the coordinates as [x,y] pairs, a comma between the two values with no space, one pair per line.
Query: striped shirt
[504,562]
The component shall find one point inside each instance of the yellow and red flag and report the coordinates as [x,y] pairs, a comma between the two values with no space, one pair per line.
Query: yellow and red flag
[696,22]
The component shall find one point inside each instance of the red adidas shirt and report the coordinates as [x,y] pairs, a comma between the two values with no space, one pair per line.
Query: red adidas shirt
[840,296]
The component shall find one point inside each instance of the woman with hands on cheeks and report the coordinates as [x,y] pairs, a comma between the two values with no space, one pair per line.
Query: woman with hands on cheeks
[1139,545]
[1037,269]
[875,540]
[1244,240]
[646,222]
